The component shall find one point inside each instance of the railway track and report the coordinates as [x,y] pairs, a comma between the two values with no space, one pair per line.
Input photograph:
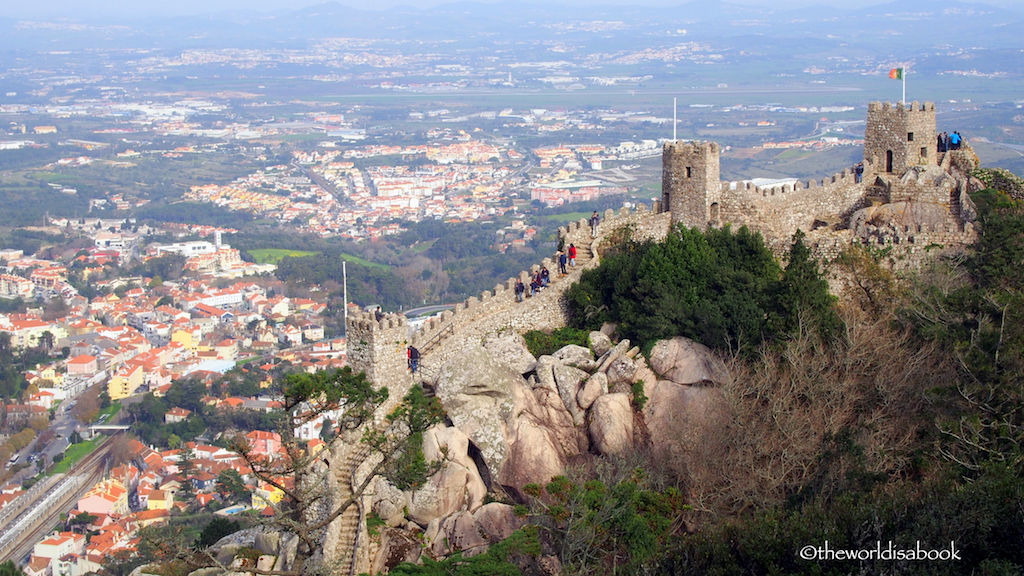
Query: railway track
[39,514]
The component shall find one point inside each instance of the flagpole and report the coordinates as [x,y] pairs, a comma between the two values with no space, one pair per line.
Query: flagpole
[904,75]
[675,122]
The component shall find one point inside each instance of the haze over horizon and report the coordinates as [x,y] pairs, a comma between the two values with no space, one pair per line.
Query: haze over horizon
[152,8]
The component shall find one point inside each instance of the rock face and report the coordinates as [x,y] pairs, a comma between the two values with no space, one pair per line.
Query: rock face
[595,387]
[457,486]
[611,424]
[600,343]
[681,417]
[684,361]
[528,428]
[389,503]
[524,434]
[465,531]
[396,546]
[568,381]
[542,438]
[477,393]
[573,355]
[509,348]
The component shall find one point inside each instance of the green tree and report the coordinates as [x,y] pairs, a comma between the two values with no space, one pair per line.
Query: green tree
[215,530]
[230,482]
[9,568]
[308,506]
[716,287]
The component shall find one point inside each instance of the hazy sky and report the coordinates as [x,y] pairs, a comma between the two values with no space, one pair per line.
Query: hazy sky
[136,8]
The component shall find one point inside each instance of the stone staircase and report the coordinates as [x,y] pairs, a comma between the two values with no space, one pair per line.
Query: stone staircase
[350,522]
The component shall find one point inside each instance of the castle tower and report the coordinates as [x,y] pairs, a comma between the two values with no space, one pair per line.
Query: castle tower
[898,137]
[690,183]
[379,349]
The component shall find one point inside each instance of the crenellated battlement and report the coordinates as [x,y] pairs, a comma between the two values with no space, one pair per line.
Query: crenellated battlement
[379,349]
[498,307]
[914,106]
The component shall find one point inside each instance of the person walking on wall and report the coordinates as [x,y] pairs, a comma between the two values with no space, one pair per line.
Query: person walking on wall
[572,255]
[378,314]
[858,173]
[594,221]
[941,146]
[520,289]
[414,359]
[562,261]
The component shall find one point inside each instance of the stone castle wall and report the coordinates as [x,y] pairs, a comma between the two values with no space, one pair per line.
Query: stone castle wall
[379,350]
[778,211]
[498,309]
[907,132]
[689,170]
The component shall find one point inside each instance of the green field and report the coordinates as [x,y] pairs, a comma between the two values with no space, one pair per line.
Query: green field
[568,216]
[274,255]
[75,453]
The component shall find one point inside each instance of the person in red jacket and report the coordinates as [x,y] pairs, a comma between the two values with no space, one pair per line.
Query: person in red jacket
[572,255]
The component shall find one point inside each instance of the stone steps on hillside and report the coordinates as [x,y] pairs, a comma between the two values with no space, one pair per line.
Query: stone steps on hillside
[349,520]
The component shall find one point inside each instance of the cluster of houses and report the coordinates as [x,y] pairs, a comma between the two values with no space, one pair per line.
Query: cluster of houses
[147,492]
[147,337]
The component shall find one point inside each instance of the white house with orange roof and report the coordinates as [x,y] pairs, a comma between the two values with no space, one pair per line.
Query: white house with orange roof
[59,544]
[176,414]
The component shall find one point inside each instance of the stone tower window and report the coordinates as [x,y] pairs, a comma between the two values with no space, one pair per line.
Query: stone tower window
[924,152]
[689,172]
[910,136]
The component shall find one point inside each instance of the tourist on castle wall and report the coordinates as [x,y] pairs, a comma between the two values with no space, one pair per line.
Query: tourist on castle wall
[535,284]
[572,255]
[858,172]
[545,277]
[520,289]
[562,261]
[378,314]
[414,358]
[954,141]
[942,142]
[594,221]
[947,141]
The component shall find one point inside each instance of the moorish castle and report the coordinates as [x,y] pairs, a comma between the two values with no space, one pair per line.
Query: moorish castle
[905,195]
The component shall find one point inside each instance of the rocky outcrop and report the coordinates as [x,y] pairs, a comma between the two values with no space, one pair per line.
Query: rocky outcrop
[509,348]
[683,361]
[477,394]
[525,434]
[530,418]
[396,546]
[471,532]
[680,417]
[568,381]
[611,424]
[600,343]
[456,486]
[595,387]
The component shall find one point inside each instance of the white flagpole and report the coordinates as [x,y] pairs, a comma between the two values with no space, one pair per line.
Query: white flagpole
[904,77]
[675,122]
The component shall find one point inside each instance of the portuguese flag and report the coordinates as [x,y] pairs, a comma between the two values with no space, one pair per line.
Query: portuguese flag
[896,73]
